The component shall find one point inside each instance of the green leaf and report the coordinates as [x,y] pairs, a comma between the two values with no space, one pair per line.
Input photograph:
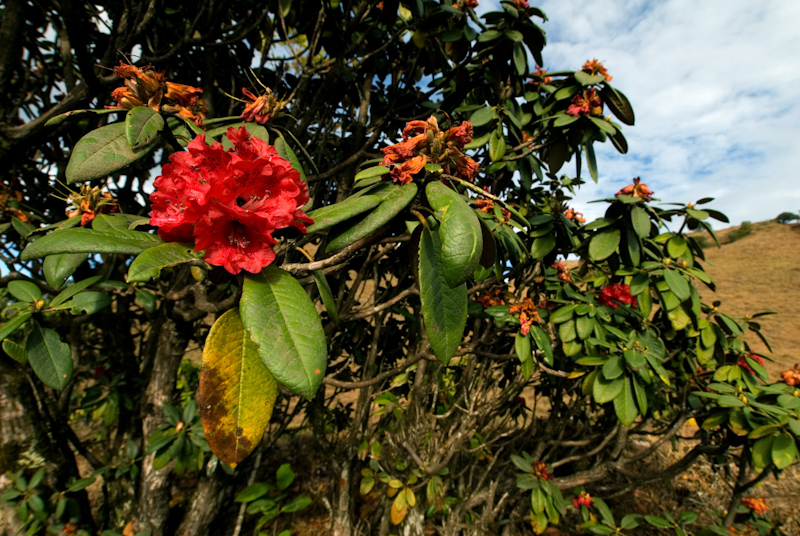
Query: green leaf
[253,492]
[497,146]
[563,314]
[237,393]
[543,343]
[460,233]
[729,401]
[481,116]
[101,152]
[12,325]
[50,358]
[284,476]
[151,261]
[444,308]
[297,504]
[603,244]
[522,346]
[614,367]
[283,323]
[640,221]
[762,452]
[591,160]
[57,120]
[327,295]
[57,268]
[375,171]
[603,125]
[395,201]
[564,120]
[329,216]
[142,127]
[605,390]
[658,522]
[542,246]
[630,521]
[677,284]
[82,240]
[86,302]
[618,103]
[287,154]
[15,351]
[676,246]
[73,289]
[24,291]
[520,59]
[587,79]
[784,451]
[625,404]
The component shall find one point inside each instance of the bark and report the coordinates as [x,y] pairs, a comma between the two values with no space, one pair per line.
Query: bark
[153,506]
[204,506]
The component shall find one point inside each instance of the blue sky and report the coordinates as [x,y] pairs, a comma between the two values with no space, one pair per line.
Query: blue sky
[714,85]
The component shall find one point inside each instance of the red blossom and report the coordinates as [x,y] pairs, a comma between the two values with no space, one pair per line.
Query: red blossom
[745,365]
[229,202]
[612,295]
[540,470]
[758,506]
[586,103]
[528,314]
[522,4]
[425,140]
[405,172]
[540,74]
[791,377]
[574,215]
[491,298]
[584,499]
[637,189]
[595,67]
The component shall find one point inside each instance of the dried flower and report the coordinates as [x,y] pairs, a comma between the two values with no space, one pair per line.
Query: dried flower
[574,215]
[540,470]
[595,67]
[229,202]
[263,107]
[10,198]
[540,76]
[487,205]
[637,189]
[611,295]
[491,298]
[584,499]
[528,314]
[423,142]
[90,202]
[791,377]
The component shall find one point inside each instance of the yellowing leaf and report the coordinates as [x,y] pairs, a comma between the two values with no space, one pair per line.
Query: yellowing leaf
[237,392]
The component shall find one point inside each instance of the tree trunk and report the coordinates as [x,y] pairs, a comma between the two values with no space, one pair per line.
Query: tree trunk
[204,506]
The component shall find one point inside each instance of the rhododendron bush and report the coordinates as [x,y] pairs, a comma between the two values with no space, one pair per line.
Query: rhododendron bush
[339,240]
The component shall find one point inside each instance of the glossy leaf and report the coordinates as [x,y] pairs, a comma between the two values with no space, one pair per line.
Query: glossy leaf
[784,451]
[605,390]
[677,284]
[460,233]
[625,404]
[543,343]
[150,262]
[284,325]
[10,326]
[24,291]
[287,153]
[327,295]
[481,116]
[82,240]
[142,127]
[542,246]
[101,152]
[237,393]
[374,171]
[591,161]
[329,216]
[444,308]
[604,244]
[388,209]
[497,146]
[640,221]
[57,268]
[86,303]
[49,357]
[618,103]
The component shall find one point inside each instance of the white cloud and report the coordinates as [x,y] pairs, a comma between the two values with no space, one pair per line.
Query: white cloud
[714,88]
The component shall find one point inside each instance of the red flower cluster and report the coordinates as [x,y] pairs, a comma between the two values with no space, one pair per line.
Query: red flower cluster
[540,76]
[90,202]
[229,202]
[423,142]
[540,470]
[758,506]
[745,365]
[528,314]
[595,67]
[464,4]
[491,298]
[586,103]
[574,215]
[262,108]
[522,4]
[584,499]
[146,87]
[791,377]
[637,189]
[612,295]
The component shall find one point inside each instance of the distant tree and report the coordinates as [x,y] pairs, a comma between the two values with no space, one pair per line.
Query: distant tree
[364,236]
[787,217]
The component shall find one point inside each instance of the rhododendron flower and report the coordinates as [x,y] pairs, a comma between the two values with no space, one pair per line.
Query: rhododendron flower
[563,272]
[528,314]
[586,103]
[574,215]
[464,4]
[584,499]
[229,202]
[146,87]
[424,142]
[487,205]
[595,67]
[263,107]
[637,189]
[791,377]
[745,365]
[522,4]
[10,198]
[758,506]
[90,202]
[611,295]
[540,74]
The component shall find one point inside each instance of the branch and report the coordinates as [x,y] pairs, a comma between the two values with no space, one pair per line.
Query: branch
[346,253]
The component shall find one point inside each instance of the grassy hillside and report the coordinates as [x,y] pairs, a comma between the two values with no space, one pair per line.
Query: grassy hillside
[761,272]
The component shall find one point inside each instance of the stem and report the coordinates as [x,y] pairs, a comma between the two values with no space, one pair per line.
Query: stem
[494,198]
